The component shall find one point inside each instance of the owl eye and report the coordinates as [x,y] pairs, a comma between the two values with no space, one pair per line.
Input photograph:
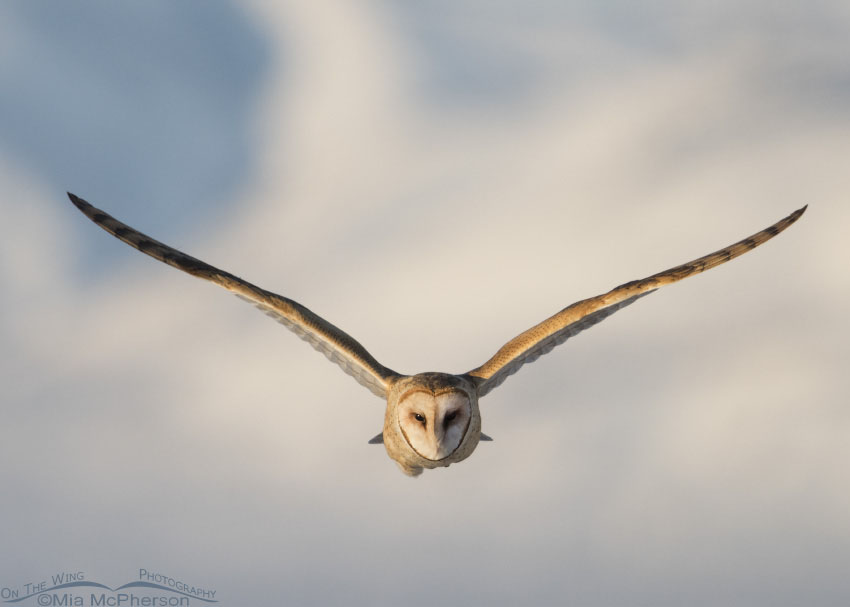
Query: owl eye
[451,416]
[419,417]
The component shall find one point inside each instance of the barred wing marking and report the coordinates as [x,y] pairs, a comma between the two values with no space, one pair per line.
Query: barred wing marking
[553,331]
[334,343]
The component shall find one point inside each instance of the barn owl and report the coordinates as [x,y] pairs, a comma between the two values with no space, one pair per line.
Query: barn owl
[432,420]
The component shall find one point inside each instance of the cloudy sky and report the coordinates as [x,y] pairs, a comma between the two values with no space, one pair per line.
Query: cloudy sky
[433,177]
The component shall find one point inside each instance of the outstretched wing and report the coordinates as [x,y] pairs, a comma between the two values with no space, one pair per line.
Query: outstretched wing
[334,343]
[573,319]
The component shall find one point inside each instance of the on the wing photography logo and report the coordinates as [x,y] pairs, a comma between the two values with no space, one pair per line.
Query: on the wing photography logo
[74,589]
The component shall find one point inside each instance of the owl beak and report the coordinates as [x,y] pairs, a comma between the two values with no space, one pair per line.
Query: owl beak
[483,437]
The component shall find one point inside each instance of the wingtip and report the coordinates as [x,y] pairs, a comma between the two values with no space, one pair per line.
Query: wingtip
[793,217]
[78,202]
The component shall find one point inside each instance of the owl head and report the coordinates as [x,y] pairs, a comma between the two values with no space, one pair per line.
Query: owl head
[432,421]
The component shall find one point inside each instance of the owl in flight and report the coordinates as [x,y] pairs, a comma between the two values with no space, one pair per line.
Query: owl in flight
[432,420]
